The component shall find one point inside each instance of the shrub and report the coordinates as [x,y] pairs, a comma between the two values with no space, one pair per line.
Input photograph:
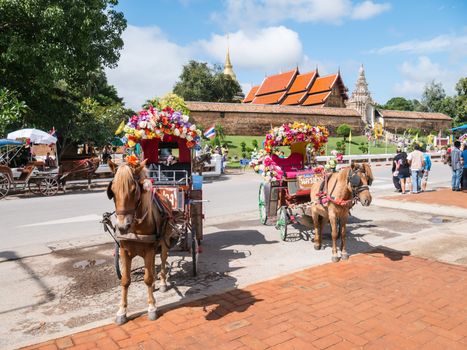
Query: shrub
[343,130]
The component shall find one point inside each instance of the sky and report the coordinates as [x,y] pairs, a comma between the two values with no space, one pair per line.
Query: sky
[403,44]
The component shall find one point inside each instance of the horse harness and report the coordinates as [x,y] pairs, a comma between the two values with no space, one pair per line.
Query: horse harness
[324,196]
[165,215]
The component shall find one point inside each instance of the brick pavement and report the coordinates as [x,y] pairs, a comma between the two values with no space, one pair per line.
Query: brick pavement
[441,196]
[380,300]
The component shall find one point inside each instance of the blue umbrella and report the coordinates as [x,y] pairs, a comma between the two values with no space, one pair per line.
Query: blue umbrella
[462,127]
[6,142]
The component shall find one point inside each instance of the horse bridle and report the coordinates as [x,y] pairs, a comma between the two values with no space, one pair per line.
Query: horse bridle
[110,195]
[356,183]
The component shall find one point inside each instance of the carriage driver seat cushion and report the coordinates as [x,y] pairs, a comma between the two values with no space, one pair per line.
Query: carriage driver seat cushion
[290,165]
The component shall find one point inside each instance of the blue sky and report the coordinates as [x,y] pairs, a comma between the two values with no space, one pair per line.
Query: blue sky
[402,44]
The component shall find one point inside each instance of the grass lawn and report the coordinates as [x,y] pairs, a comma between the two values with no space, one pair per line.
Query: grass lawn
[235,149]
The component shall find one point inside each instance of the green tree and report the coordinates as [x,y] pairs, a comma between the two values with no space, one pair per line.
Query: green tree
[433,96]
[199,82]
[399,104]
[461,102]
[12,111]
[343,130]
[53,54]
[176,102]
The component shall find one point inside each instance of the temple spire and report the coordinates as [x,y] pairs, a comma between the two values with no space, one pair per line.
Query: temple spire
[361,98]
[228,68]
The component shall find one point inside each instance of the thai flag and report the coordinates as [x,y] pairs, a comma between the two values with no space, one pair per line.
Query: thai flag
[53,132]
[210,133]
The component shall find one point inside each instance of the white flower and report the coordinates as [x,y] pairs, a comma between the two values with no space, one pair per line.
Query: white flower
[184,130]
[142,124]
[176,132]
[185,118]
[193,127]
[142,134]
[189,137]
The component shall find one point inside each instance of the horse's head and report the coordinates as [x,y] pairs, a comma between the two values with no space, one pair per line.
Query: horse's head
[126,189]
[359,179]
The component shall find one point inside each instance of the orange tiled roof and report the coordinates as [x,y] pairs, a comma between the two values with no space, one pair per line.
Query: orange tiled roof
[276,83]
[316,99]
[294,99]
[302,82]
[251,94]
[270,98]
[323,83]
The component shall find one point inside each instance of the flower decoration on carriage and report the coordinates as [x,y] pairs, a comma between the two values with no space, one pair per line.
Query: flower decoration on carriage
[290,133]
[336,158]
[263,164]
[153,123]
[463,138]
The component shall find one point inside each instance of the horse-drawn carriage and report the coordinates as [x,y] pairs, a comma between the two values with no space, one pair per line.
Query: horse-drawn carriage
[33,175]
[297,191]
[156,217]
[287,181]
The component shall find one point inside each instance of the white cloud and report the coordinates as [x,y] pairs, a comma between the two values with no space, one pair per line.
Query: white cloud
[417,75]
[441,43]
[257,50]
[368,9]
[247,13]
[149,65]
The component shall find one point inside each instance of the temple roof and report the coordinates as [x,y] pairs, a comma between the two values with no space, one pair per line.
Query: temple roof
[276,83]
[293,88]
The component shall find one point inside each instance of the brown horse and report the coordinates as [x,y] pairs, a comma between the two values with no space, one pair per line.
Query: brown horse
[333,201]
[138,218]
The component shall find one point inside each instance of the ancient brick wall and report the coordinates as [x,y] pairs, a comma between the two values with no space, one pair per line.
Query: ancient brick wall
[235,123]
[426,125]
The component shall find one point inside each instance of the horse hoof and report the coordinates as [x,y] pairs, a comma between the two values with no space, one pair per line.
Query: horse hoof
[345,257]
[335,259]
[317,247]
[163,288]
[152,315]
[120,319]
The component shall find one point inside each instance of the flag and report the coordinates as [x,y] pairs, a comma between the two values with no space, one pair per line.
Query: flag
[53,132]
[120,128]
[416,138]
[350,136]
[210,133]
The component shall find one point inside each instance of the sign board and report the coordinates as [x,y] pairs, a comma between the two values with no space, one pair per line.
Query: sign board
[306,181]
[174,196]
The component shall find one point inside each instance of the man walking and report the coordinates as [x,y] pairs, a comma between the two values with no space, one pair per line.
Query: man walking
[417,164]
[395,173]
[456,165]
[426,169]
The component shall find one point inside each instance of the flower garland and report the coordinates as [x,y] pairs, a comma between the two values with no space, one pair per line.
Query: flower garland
[290,133]
[262,163]
[337,158]
[153,123]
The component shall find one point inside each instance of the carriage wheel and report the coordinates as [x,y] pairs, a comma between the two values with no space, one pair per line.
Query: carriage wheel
[4,185]
[194,252]
[48,186]
[263,214]
[282,222]
[117,263]
[34,187]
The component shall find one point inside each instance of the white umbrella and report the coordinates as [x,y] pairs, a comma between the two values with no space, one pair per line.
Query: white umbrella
[35,135]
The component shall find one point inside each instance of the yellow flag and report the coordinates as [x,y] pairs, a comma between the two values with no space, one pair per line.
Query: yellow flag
[350,136]
[416,137]
[120,128]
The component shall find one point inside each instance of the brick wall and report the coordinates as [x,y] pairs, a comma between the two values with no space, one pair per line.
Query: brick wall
[235,123]
[425,125]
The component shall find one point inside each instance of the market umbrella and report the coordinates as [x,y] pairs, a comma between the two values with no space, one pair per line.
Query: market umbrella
[34,135]
[6,142]
[462,127]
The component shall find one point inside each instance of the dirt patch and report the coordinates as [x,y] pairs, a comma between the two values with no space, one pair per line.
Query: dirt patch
[441,196]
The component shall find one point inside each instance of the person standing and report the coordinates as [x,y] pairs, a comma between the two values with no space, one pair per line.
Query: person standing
[395,174]
[416,162]
[403,171]
[464,170]
[426,169]
[456,165]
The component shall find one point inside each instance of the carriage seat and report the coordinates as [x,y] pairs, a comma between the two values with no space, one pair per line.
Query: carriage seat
[290,165]
[26,173]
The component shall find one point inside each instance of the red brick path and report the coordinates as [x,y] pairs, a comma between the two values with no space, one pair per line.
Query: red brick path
[442,196]
[381,300]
